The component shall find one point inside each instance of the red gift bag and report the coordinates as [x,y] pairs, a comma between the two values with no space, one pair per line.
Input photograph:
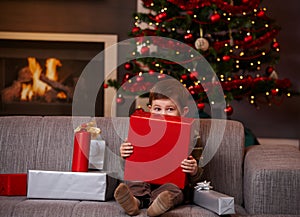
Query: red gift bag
[13,184]
[160,144]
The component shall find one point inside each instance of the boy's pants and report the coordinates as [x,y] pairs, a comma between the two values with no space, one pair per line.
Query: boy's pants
[147,193]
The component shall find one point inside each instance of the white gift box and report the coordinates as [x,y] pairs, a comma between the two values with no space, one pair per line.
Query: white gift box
[96,156]
[214,201]
[70,185]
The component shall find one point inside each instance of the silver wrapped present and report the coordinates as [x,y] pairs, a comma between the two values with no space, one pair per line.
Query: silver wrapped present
[214,201]
[97,186]
[97,153]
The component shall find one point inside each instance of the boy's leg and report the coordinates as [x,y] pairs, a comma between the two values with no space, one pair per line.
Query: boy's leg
[164,198]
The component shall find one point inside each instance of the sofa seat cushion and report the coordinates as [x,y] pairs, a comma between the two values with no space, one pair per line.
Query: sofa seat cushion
[49,208]
[272,180]
[7,205]
[112,208]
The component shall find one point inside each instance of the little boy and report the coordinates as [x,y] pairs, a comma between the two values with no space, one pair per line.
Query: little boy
[167,97]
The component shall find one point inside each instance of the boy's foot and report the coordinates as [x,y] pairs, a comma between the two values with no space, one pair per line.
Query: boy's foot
[161,204]
[127,201]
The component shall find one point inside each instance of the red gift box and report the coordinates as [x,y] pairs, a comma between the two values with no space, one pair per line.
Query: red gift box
[160,144]
[13,184]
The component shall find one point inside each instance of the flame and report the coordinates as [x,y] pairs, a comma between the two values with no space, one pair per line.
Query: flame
[51,65]
[38,87]
[61,95]
[27,92]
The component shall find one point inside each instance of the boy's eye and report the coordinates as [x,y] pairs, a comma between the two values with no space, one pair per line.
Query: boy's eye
[157,109]
[170,109]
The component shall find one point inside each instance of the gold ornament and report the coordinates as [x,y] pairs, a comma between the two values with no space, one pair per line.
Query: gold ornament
[202,44]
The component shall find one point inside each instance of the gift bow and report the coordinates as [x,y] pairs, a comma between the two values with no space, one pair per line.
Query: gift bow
[203,186]
[90,127]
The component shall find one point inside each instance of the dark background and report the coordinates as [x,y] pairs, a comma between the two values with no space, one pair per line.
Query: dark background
[115,17]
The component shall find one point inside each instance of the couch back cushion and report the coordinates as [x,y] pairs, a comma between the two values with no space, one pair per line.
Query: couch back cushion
[19,138]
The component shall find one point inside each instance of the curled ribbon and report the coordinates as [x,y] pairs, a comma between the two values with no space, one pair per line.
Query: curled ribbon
[203,186]
[90,127]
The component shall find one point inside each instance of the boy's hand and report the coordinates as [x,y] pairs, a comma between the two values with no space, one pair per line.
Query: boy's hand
[189,165]
[126,149]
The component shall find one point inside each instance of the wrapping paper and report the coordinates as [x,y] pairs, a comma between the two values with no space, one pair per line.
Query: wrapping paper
[214,201]
[13,184]
[85,134]
[97,186]
[160,143]
[80,161]
[97,154]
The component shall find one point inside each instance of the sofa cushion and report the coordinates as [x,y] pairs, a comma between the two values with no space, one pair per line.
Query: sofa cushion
[7,205]
[272,170]
[19,136]
[225,170]
[112,208]
[49,208]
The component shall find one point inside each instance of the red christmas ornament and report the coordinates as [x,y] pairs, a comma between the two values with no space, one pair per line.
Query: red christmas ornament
[135,29]
[184,77]
[200,106]
[226,58]
[269,70]
[274,92]
[215,17]
[160,17]
[194,75]
[105,85]
[275,45]
[145,50]
[261,14]
[189,37]
[198,88]
[248,38]
[128,66]
[161,76]
[228,110]
[245,1]
[192,90]
[151,71]
[190,13]
[126,77]
[120,99]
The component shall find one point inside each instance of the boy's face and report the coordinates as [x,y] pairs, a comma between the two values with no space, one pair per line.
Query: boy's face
[165,107]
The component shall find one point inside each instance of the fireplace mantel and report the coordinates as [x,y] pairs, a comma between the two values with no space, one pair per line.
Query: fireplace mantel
[110,57]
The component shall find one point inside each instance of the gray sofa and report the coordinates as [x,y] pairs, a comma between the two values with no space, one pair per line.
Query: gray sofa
[264,180]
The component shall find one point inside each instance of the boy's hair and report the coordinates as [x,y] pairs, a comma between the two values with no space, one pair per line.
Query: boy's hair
[170,89]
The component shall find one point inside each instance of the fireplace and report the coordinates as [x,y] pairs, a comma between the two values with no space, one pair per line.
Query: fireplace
[39,72]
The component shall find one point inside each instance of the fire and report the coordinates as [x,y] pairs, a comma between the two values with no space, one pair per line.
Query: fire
[38,87]
[27,92]
[51,65]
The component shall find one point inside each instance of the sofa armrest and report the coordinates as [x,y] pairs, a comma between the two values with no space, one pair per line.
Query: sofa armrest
[272,180]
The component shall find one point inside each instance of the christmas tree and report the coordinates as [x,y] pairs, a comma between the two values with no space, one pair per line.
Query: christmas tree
[236,37]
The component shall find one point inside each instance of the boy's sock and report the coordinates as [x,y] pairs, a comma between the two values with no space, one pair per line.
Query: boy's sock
[127,201]
[161,204]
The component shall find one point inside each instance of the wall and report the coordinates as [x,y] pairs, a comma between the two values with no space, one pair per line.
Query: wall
[115,17]
[78,16]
